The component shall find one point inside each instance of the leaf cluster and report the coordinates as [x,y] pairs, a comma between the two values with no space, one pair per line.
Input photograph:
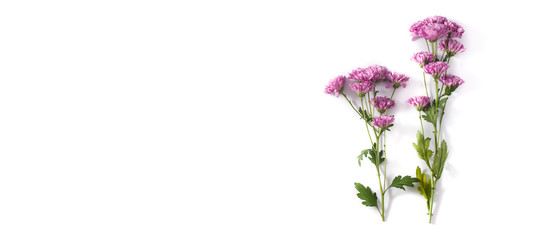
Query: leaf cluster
[376,157]
[424,185]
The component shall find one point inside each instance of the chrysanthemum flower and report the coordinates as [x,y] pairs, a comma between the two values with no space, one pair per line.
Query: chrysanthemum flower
[335,86]
[434,28]
[383,121]
[361,88]
[453,47]
[436,69]
[382,103]
[370,74]
[450,80]
[396,80]
[422,58]
[420,102]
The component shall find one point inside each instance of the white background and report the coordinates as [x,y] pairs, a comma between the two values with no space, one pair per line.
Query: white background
[207,120]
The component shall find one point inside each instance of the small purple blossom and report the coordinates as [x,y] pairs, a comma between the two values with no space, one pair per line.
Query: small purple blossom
[455,29]
[422,58]
[382,103]
[362,88]
[436,69]
[383,121]
[396,80]
[420,102]
[453,47]
[450,80]
[335,86]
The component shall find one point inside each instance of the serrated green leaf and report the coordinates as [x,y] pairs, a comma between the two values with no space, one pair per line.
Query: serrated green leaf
[431,114]
[440,160]
[422,147]
[442,101]
[400,182]
[369,198]
[424,184]
[363,154]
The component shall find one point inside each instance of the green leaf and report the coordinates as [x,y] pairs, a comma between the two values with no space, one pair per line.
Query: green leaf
[442,101]
[369,153]
[365,115]
[400,182]
[424,184]
[431,114]
[422,147]
[369,197]
[440,160]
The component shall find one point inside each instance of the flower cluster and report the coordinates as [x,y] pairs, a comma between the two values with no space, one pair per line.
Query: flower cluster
[371,74]
[440,32]
[372,106]
[434,28]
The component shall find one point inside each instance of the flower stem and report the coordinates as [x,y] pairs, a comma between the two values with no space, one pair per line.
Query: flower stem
[350,103]
[379,174]
[433,183]
[365,121]
[425,84]
[421,124]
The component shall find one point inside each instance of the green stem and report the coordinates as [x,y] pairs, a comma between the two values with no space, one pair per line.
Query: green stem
[379,175]
[365,121]
[433,51]
[391,96]
[385,161]
[421,124]
[427,45]
[433,183]
[350,103]
[425,84]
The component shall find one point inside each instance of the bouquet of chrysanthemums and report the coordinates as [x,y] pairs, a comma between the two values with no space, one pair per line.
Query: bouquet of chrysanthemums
[372,104]
[439,35]
[372,107]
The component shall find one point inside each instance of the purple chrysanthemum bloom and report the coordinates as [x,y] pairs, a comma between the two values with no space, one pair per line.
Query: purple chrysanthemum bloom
[422,58]
[362,75]
[362,88]
[436,69]
[434,31]
[420,102]
[378,71]
[383,121]
[434,28]
[396,80]
[450,80]
[382,103]
[416,29]
[453,47]
[370,74]
[335,86]
[455,29]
